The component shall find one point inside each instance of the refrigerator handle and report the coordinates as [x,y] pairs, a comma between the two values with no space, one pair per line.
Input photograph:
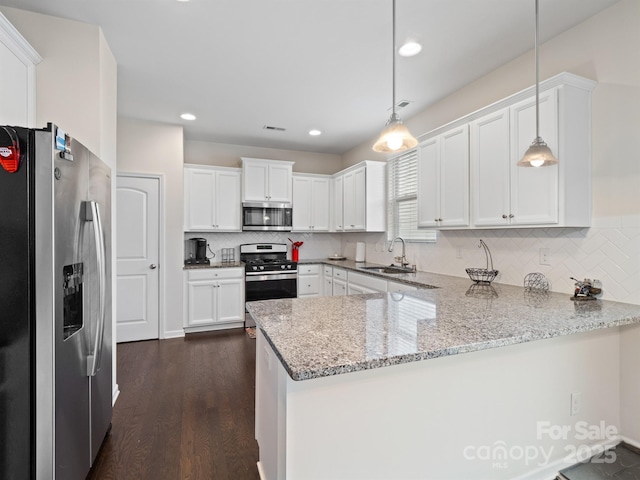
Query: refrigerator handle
[92,214]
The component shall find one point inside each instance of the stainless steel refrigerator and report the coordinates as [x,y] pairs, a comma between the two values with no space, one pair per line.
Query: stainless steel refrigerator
[55,305]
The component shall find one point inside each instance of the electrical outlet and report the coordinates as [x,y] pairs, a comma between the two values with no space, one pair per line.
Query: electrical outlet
[576,401]
[544,256]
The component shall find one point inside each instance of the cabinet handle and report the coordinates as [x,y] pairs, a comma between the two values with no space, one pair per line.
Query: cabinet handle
[504,216]
[153,266]
[439,219]
[511,215]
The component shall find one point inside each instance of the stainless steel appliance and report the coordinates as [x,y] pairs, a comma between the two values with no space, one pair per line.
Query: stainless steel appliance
[267,216]
[55,299]
[197,252]
[268,273]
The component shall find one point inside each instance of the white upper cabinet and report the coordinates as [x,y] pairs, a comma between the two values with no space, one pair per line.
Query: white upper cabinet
[505,195]
[354,210]
[360,195]
[267,180]
[18,78]
[311,202]
[443,180]
[499,193]
[212,199]
[338,210]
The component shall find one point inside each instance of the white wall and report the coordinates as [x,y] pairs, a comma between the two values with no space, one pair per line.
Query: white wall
[604,48]
[226,155]
[76,85]
[154,148]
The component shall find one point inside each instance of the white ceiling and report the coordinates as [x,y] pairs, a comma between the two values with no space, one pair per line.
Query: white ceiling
[300,64]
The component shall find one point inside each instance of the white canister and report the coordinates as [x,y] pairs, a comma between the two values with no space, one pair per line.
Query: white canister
[360,249]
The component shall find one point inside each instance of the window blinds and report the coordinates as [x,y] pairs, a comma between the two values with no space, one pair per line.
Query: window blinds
[402,174]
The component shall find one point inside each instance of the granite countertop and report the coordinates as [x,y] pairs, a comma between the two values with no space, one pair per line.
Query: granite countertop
[416,279]
[324,336]
[215,265]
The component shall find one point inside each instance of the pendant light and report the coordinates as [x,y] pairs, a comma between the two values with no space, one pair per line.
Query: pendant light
[395,137]
[538,154]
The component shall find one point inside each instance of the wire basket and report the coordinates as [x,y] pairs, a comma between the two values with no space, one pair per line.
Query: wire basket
[483,275]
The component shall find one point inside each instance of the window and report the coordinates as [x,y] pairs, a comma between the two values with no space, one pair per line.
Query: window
[402,174]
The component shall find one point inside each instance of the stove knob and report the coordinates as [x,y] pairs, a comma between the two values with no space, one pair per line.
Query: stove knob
[261,267]
[289,267]
[282,267]
[254,267]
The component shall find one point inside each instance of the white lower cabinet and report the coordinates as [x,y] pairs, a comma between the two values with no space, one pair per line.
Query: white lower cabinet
[339,282]
[400,287]
[309,280]
[213,299]
[359,283]
[327,278]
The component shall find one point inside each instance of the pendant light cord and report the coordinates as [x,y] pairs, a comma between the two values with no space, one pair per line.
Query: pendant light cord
[393,64]
[537,78]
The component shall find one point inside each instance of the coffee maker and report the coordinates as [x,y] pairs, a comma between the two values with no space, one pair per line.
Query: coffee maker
[197,252]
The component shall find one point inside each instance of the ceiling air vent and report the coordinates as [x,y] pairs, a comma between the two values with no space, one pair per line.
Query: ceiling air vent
[402,103]
[274,129]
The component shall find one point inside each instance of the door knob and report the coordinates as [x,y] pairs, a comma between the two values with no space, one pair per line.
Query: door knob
[153,266]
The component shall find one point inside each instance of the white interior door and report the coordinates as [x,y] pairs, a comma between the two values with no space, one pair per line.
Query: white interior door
[137,247]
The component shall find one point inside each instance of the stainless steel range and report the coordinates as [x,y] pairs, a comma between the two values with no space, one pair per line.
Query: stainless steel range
[268,273]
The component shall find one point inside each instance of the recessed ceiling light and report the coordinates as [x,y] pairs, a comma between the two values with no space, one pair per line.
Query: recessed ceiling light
[315,132]
[410,49]
[188,116]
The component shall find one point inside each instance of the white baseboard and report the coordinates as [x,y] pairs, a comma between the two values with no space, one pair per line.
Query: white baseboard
[261,471]
[173,334]
[550,471]
[630,441]
[214,327]
[115,394]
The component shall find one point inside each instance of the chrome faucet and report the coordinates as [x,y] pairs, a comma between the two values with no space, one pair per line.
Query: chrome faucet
[403,258]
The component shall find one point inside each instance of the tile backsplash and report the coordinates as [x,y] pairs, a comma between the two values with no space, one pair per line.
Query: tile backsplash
[608,251]
[316,245]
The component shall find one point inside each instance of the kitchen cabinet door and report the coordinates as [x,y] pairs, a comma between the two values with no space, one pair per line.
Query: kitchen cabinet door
[338,213]
[454,178]
[534,191]
[310,203]
[201,303]
[490,169]
[214,299]
[267,180]
[428,184]
[212,199]
[255,182]
[228,202]
[309,280]
[339,287]
[280,186]
[199,199]
[503,193]
[354,199]
[443,180]
[230,300]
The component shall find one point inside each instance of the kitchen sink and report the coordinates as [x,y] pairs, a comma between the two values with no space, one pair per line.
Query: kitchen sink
[389,269]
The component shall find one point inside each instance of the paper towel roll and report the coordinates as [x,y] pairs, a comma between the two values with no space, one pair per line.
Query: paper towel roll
[360,249]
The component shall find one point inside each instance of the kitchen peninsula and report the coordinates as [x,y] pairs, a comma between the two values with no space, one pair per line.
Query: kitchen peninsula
[453,382]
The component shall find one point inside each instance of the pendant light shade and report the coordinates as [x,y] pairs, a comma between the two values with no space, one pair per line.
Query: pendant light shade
[395,137]
[538,154]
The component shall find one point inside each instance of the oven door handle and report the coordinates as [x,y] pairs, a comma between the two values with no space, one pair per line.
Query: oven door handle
[261,277]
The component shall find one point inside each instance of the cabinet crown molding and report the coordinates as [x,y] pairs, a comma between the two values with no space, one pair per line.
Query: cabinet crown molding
[10,34]
[564,78]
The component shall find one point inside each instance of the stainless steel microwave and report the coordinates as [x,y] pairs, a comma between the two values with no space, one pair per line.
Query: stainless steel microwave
[267,216]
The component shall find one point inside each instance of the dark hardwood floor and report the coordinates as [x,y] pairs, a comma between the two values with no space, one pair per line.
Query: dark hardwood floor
[185,411]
